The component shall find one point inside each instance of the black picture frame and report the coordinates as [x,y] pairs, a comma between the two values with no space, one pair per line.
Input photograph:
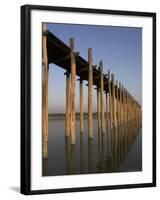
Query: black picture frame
[26,98]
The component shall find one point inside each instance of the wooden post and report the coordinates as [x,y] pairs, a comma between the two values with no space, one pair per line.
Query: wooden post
[110,99]
[45,95]
[106,110]
[126,106]
[98,109]
[81,105]
[125,103]
[113,100]
[90,103]
[117,103]
[67,121]
[73,87]
[102,96]
[120,103]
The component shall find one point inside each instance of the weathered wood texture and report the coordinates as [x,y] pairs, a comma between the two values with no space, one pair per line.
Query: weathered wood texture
[81,105]
[67,119]
[73,87]
[90,95]
[98,110]
[102,96]
[45,96]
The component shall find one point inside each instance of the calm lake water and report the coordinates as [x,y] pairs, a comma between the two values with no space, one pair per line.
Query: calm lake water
[118,150]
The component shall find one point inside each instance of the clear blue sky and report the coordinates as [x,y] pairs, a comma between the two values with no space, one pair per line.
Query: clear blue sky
[120,48]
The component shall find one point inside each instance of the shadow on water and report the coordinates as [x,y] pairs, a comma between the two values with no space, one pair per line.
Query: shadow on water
[116,150]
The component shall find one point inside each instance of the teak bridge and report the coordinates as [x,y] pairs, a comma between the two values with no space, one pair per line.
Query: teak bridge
[121,107]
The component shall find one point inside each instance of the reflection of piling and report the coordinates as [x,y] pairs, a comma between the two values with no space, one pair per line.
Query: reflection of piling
[45,167]
[68,154]
[73,159]
[90,155]
[81,154]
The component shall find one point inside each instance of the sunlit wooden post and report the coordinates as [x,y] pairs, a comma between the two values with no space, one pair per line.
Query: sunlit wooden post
[113,100]
[90,100]
[120,103]
[125,106]
[81,105]
[45,94]
[67,119]
[102,96]
[117,109]
[110,99]
[106,110]
[73,87]
[98,109]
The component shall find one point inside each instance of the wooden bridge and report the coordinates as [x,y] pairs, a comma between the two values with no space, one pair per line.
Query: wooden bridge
[121,107]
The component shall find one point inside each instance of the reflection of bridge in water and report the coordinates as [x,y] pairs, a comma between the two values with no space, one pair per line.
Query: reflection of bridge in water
[114,148]
[121,107]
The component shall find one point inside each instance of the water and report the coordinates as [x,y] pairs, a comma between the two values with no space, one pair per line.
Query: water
[117,150]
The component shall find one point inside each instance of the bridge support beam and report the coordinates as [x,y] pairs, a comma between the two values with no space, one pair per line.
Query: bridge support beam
[98,110]
[67,119]
[81,105]
[110,99]
[120,104]
[90,100]
[102,96]
[106,111]
[113,101]
[45,95]
[73,87]
[117,102]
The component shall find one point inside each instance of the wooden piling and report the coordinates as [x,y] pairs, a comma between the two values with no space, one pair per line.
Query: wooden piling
[106,110]
[113,101]
[67,119]
[45,95]
[81,105]
[110,99]
[125,120]
[90,100]
[98,110]
[117,114]
[102,96]
[73,87]
[120,103]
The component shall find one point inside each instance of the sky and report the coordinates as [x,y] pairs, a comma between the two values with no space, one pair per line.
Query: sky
[120,49]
